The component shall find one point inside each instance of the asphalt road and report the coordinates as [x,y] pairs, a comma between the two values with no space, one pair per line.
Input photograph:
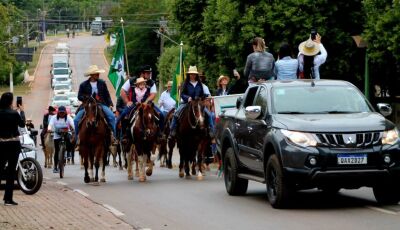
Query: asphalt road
[168,202]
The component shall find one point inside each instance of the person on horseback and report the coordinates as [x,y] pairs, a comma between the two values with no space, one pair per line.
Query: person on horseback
[166,102]
[192,88]
[57,122]
[98,89]
[131,94]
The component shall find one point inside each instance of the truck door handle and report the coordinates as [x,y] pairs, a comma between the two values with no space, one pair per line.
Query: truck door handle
[250,128]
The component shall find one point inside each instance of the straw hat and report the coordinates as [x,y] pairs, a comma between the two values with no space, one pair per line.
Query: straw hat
[140,80]
[169,83]
[93,69]
[309,48]
[221,78]
[192,70]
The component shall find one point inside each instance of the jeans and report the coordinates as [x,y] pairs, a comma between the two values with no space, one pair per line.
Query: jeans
[107,112]
[9,153]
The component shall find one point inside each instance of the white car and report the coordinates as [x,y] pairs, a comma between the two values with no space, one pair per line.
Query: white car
[65,72]
[60,99]
[61,80]
[62,89]
[73,98]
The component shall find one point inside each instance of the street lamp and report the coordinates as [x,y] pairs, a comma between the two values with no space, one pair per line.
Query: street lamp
[361,43]
[59,15]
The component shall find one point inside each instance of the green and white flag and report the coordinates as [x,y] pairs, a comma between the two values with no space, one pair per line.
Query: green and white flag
[117,68]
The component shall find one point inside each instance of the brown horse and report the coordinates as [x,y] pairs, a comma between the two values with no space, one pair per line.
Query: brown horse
[93,133]
[165,154]
[192,129]
[144,131]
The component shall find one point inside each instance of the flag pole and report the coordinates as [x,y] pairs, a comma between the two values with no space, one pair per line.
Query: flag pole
[126,52]
[180,69]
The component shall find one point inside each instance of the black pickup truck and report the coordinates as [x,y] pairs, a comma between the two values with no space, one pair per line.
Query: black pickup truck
[305,134]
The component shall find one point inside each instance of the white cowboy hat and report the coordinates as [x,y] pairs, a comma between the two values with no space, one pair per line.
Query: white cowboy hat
[169,83]
[140,80]
[309,48]
[221,78]
[93,69]
[192,70]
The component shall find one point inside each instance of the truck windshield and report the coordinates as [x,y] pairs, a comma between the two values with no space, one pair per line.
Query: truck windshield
[59,65]
[60,71]
[318,100]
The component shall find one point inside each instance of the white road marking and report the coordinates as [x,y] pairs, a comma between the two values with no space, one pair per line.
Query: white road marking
[61,183]
[113,210]
[381,210]
[81,192]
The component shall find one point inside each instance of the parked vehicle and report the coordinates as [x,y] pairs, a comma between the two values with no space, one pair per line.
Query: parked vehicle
[60,99]
[304,134]
[60,61]
[62,48]
[60,79]
[73,98]
[62,89]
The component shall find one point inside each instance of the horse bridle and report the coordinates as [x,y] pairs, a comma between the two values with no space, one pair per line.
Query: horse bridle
[90,99]
[197,120]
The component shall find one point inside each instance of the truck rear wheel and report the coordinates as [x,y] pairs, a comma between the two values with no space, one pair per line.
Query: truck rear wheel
[234,185]
[278,189]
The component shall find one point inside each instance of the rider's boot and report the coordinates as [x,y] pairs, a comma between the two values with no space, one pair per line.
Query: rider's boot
[172,133]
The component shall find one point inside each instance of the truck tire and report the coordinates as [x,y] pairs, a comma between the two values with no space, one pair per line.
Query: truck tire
[387,194]
[278,189]
[234,185]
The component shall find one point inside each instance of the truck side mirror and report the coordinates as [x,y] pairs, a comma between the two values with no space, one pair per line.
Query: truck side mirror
[384,109]
[253,112]
[239,101]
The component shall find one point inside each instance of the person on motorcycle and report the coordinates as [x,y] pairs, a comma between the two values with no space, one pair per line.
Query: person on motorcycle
[192,88]
[10,144]
[98,89]
[58,122]
[50,111]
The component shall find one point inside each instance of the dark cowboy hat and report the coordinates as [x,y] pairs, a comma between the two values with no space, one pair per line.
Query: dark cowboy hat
[145,68]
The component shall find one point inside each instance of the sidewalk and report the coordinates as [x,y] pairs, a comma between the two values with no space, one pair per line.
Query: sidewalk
[56,207]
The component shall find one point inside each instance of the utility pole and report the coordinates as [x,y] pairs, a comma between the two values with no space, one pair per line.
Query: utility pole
[11,79]
[27,33]
[162,30]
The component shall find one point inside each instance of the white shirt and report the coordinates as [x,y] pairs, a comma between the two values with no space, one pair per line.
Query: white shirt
[127,85]
[166,102]
[318,60]
[206,90]
[55,125]
[94,87]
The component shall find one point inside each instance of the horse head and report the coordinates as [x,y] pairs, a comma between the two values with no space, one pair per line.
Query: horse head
[91,112]
[149,119]
[197,116]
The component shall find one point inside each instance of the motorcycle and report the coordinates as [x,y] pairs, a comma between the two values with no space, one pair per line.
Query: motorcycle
[29,171]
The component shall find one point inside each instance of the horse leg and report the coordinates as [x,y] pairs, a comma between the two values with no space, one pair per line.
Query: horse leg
[91,163]
[136,159]
[149,170]
[171,144]
[82,160]
[119,150]
[141,159]
[103,169]
[129,167]
[200,165]
[85,162]
[181,163]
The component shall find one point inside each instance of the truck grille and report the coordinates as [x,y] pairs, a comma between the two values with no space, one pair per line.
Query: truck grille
[346,140]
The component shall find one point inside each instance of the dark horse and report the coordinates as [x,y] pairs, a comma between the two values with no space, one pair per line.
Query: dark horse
[165,155]
[144,129]
[94,136]
[191,131]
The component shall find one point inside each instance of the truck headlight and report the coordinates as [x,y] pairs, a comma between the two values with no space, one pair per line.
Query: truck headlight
[299,138]
[390,137]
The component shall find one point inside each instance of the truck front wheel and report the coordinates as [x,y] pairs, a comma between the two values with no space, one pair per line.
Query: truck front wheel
[387,193]
[278,189]
[234,185]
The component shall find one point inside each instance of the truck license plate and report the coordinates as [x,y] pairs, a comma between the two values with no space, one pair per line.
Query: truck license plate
[352,159]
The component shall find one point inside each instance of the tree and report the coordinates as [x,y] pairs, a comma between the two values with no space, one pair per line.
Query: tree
[382,31]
